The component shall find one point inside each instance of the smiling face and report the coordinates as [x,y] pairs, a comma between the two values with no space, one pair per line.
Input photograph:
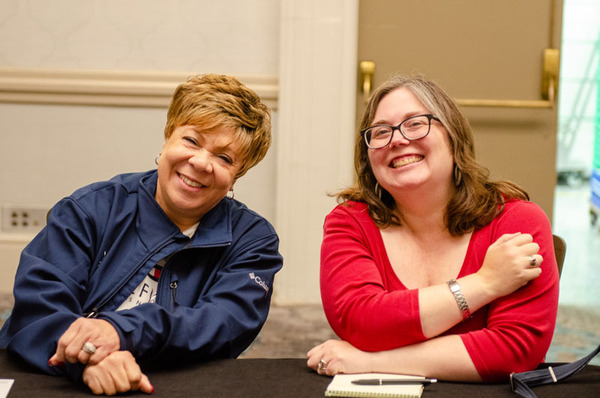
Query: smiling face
[195,170]
[407,165]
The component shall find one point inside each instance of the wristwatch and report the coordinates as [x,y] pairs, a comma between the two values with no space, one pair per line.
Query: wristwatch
[460,299]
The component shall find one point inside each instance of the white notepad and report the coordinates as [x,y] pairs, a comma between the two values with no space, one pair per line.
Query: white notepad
[342,386]
[5,385]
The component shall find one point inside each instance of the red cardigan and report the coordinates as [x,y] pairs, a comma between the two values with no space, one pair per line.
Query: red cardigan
[368,306]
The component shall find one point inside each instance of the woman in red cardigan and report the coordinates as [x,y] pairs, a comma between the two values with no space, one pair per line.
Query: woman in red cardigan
[427,266]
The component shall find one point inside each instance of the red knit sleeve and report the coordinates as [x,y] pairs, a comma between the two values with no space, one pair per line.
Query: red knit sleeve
[364,302]
[520,325]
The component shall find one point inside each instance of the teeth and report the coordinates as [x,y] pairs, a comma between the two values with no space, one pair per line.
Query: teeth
[191,183]
[403,161]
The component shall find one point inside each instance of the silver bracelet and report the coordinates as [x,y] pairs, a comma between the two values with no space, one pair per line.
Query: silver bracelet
[460,299]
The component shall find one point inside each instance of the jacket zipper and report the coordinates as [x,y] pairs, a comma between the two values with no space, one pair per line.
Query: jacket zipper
[93,313]
[173,287]
[174,283]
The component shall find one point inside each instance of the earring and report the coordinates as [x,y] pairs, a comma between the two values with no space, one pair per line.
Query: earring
[457,175]
[377,190]
[156,158]
[230,192]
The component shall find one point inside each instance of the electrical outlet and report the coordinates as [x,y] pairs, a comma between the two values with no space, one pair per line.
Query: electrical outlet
[23,218]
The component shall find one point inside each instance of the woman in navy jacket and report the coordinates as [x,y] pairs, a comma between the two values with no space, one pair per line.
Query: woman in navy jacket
[155,266]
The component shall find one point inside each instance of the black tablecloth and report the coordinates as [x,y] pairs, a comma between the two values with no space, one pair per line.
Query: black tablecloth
[250,378]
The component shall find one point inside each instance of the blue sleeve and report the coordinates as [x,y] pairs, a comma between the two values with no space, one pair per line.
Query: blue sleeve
[219,323]
[50,288]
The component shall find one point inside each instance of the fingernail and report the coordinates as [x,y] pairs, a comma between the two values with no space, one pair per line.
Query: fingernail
[59,363]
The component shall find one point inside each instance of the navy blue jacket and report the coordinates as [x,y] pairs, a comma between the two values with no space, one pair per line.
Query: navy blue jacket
[213,294]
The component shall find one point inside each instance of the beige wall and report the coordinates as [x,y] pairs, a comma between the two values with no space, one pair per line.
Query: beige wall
[48,150]
[298,54]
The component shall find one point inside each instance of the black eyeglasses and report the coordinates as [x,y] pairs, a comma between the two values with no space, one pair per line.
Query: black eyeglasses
[414,128]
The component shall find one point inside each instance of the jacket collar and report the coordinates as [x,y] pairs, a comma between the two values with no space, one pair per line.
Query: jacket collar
[154,226]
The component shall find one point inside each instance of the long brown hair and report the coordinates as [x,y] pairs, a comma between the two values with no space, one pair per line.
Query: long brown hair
[476,200]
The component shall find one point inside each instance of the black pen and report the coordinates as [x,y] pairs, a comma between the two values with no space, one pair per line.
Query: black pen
[382,382]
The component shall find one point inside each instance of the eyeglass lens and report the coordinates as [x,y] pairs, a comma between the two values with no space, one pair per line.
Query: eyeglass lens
[413,128]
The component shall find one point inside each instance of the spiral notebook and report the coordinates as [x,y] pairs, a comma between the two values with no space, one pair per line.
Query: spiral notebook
[342,386]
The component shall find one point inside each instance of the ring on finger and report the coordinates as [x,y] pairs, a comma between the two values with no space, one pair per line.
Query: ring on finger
[532,261]
[88,348]
[322,366]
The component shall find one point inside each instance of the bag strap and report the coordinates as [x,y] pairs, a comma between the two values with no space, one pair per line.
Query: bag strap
[521,383]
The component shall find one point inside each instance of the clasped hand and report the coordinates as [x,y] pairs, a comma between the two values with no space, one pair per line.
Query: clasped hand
[337,356]
[108,371]
[510,263]
[117,373]
[96,331]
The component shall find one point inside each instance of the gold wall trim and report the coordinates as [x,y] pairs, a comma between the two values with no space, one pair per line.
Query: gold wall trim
[108,88]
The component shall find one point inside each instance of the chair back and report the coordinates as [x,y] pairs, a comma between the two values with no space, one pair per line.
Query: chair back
[560,250]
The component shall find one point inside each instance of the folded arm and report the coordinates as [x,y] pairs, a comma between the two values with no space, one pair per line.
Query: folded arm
[511,334]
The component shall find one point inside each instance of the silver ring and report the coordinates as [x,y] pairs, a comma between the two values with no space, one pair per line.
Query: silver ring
[532,261]
[322,365]
[88,348]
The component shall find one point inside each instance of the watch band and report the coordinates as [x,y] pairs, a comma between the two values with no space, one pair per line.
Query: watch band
[460,299]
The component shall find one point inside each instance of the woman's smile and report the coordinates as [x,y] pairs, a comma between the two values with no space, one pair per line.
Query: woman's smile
[403,164]
[405,160]
[189,181]
[196,170]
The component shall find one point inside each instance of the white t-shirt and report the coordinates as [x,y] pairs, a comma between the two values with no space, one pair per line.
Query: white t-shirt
[146,291]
